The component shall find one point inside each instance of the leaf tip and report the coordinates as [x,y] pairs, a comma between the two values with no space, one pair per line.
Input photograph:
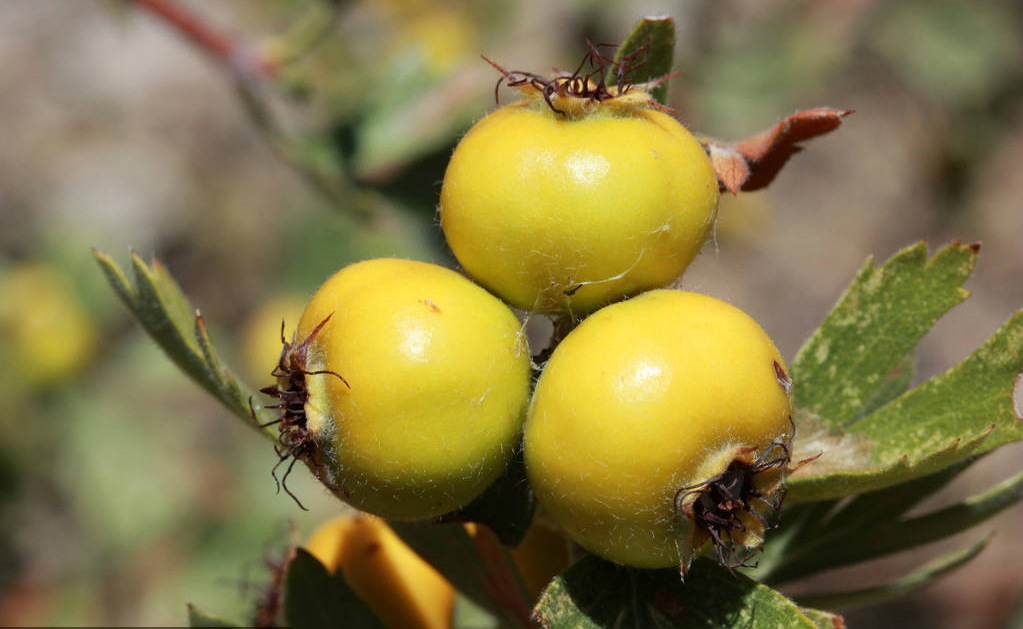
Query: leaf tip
[102,256]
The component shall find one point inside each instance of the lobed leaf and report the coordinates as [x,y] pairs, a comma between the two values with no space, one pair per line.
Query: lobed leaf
[315,598]
[877,321]
[967,411]
[595,594]
[972,401]
[658,35]
[169,318]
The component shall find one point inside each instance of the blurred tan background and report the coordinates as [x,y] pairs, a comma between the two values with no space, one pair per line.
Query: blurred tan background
[125,492]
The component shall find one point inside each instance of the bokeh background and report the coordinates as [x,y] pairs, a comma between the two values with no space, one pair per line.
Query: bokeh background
[125,492]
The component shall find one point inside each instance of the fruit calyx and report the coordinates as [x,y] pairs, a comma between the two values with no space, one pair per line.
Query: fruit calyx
[295,441]
[578,93]
[729,508]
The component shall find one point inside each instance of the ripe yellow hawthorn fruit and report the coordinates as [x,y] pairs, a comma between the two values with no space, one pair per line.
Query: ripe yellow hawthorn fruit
[405,388]
[571,209]
[402,589]
[658,424]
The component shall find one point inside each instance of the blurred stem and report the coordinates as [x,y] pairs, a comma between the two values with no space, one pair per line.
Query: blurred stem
[252,71]
[326,176]
[217,44]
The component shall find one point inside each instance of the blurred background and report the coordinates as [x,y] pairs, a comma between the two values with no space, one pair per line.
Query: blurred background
[321,138]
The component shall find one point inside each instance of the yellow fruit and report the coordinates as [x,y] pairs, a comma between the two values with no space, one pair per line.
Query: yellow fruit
[47,331]
[414,382]
[570,210]
[645,415]
[404,591]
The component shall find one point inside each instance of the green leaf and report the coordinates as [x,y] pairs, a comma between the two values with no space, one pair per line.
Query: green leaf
[908,584]
[177,327]
[874,325]
[892,502]
[197,618]
[967,411]
[315,598]
[658,35]
[478,567]
[506,507]
[823,619]
[857,543]
[971,401]
[595,594]
[895,384]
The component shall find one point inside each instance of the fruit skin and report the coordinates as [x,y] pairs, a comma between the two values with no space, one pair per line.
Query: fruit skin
[644,398]
[404,591]
[437,374]
[558,213]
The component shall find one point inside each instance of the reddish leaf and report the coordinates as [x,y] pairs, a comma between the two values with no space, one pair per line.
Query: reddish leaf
[764,154]
[729,165]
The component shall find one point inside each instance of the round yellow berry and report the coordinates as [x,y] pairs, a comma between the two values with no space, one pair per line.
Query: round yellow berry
[645,408]
[569,212]
[416,386]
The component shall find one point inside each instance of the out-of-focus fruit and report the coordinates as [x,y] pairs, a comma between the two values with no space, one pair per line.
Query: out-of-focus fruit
[404,591]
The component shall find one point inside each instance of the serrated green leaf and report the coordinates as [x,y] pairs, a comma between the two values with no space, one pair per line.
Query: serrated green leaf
[895,384]
[315,598]
[972,399]
[197,618]
[595,594]
[169,318]
[967,411]
[854,544]
[480,568]
[658,35]
[875,324]
[908,584]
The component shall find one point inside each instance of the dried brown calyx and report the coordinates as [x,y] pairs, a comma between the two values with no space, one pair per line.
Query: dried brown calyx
[295,441]
[573,93]
[736,507]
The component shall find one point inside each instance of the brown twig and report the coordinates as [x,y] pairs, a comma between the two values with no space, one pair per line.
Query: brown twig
[240,59]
